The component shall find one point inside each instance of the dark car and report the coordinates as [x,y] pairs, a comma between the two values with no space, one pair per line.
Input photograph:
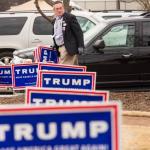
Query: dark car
[119,51]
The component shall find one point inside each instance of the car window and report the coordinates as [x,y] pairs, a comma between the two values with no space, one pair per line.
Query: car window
[11,25]
[85,23]
[146,33]
[42,26]
[122,35]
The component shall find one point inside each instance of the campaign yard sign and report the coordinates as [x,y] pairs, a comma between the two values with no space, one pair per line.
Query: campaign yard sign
[87,127]
[46,54]
[38,96]
[61,67]
[67,80]
[5,76]
[24,75]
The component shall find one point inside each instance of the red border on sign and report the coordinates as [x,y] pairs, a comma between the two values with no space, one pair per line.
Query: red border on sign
[93,74]
[39,53]
[13,74]
[113,108]
[29,91]
[35,56]
[64,66]
[6,85]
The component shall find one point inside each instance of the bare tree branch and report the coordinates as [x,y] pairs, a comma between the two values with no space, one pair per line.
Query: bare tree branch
[66,3]
[50,2]
[6,4]
[144,3]
[41,12]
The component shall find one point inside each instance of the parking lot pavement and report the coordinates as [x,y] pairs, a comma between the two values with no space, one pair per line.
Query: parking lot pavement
[136,133]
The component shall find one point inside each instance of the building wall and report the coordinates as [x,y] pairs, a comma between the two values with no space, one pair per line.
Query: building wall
[106,5]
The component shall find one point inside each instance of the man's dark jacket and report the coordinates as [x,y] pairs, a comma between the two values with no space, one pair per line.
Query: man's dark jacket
[72,33]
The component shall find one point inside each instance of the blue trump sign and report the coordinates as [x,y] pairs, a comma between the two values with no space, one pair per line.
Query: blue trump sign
[60,96]
[46,54]
[60,67]
[24,75]
[61,128]
[5,76]
[68,80]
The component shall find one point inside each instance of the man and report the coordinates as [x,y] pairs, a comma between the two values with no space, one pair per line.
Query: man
[68,36]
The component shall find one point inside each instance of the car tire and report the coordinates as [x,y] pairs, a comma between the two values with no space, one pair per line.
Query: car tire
[6,57]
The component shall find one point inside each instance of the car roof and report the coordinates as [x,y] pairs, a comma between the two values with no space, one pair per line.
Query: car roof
[47,12]
[87,14]
[128,19]
[117,13]
[28,13]
[22,13]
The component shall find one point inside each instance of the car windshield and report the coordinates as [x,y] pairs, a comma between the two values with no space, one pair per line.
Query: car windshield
[85,23]
[93,32]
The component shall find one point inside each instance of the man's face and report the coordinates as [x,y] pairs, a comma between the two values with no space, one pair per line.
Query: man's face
[59,9]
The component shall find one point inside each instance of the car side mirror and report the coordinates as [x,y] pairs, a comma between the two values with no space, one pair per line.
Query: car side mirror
[99,44]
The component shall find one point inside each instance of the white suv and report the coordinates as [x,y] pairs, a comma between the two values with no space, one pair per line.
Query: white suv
[20,30]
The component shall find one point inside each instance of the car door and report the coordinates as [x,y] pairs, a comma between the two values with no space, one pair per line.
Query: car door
[116,63]
[144,51]
[40,32]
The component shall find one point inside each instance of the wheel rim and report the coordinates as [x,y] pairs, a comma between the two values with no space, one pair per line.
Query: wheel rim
[6,60]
